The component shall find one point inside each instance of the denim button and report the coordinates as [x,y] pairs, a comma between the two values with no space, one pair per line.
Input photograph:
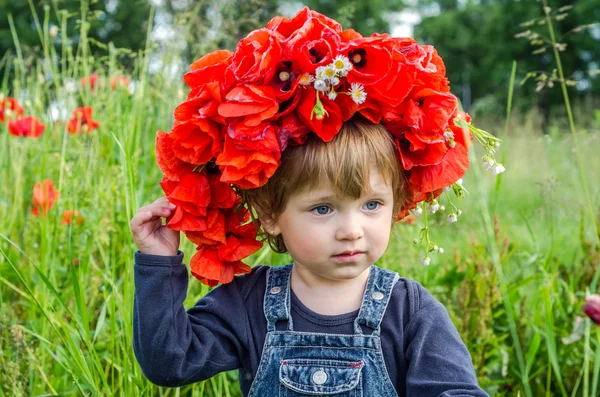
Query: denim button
[377,295]
[319,377]
[275,290]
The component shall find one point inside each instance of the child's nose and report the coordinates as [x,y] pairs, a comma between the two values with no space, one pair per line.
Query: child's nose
[350,228]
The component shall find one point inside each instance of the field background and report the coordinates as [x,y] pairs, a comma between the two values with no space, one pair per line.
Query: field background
[514,276]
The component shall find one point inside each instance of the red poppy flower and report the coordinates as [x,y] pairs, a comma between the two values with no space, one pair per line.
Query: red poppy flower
[248,169]
[313,45]
[10,108]
[27,126]
[70,216]
[207,267]
[287,27]
[44,196]
[291,127]
[82,121]
[450,168]
[326,127]
[255,57]
[222,194]
[211,67]
[253,102]
[196,141]
[172,166]
[192,195]
[90,81]
[204,105]
[215,229]
[119,81]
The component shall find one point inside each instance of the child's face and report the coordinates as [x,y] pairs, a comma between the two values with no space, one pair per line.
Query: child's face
[319,225]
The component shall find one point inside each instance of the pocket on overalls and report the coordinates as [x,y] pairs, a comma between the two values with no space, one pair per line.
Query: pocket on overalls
[305,376]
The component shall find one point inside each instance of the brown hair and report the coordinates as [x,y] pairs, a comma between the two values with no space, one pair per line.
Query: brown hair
[343,162]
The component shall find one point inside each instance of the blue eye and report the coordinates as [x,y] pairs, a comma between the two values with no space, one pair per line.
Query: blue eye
[321,210]
[372,205]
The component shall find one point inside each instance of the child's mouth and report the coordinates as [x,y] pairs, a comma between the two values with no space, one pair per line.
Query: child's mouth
[348,258]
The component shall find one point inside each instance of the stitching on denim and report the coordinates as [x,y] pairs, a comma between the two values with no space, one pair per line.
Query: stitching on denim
[326,347]
[381,365]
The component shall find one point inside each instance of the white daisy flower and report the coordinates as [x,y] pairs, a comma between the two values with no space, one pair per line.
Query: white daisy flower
[321,85]
[306,79]
[332,95]
[334,81]
[357,92]
[342,65]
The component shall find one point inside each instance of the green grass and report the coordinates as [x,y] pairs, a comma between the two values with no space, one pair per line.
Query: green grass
[522,256]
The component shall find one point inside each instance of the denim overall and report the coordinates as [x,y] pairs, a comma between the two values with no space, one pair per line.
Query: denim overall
[317,364]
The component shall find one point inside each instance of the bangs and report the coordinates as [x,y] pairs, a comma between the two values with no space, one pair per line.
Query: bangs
[344,163]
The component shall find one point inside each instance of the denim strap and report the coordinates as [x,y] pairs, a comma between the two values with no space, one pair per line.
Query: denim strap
[377,296]
[277,296]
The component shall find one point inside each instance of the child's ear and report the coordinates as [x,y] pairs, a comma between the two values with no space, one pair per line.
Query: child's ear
[270,225]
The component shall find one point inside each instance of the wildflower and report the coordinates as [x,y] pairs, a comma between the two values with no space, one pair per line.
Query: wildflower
[592,307]
[498,169]
[27,126]
[416,211]
[326,73]
[82,117]
[441,250]
[434,206]
[332,95]
[10,107]
[357,92]
[119,81]
[442,208]
[458,213]
[321,85]
[306,79]
[44,196]
[487,165]
[342,65]
[426,261]
[69,216]
[90,80]
[448,135]
[459,182]
[452,218]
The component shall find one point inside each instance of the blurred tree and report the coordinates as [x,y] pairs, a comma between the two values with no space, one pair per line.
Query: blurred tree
[124,23]
[207,25]
[478,44]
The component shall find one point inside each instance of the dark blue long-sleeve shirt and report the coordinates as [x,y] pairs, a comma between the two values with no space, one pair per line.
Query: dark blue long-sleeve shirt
[225,330]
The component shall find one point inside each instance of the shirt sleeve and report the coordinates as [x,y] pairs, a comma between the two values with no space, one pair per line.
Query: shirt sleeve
[175,347]
[439,363]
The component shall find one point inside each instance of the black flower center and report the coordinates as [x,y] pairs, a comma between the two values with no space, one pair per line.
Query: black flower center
[358,57]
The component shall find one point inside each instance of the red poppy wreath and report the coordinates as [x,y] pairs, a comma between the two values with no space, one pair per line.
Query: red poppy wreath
[282,82]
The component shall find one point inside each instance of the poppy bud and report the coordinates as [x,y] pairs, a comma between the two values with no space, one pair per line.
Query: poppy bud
[592,307]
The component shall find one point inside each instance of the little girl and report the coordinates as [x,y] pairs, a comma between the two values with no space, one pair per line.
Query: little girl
[323,138]
[329,323]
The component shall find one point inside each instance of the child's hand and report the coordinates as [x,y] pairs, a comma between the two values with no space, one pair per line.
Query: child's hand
[149,234]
